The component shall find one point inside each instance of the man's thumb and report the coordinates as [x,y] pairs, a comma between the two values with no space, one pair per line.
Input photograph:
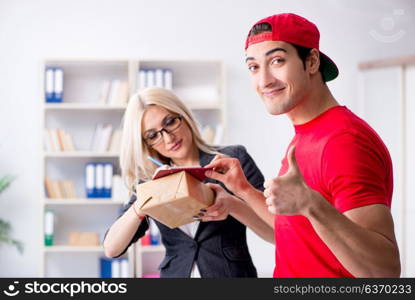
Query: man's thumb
[215,175]
[292,161]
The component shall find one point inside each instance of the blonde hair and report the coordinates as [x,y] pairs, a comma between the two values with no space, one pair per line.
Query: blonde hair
[134,151]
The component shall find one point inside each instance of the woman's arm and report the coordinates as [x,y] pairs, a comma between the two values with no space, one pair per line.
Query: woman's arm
[122,232]
[128,228]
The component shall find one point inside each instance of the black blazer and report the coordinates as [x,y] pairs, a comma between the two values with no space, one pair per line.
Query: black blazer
[219,247]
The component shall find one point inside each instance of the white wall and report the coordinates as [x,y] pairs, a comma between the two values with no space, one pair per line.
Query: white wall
[31,31]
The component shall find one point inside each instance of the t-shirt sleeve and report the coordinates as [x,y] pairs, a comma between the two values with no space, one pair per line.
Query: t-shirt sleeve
[355,173]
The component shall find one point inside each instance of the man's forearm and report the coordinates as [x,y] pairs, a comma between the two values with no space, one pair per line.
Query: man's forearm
[363,252]
[256,200]
[247,216]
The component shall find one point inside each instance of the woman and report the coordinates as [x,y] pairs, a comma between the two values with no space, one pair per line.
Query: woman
[157,124]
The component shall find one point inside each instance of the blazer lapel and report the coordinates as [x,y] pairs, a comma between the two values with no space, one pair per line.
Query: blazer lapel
[205,229]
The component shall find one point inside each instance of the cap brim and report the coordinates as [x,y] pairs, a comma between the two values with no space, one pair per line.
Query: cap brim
[328,67]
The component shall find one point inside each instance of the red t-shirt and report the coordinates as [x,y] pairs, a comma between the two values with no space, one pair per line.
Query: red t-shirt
[342,158]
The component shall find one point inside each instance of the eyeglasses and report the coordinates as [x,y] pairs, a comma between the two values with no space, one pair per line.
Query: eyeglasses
[171,124]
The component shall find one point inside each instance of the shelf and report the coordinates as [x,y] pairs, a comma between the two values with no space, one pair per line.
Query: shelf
[80,154]
[211,105]
[81,201]
[64,248]
[92,106]
[82,106]
[158,248]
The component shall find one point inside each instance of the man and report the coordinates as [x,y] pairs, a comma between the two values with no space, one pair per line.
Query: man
[330,204]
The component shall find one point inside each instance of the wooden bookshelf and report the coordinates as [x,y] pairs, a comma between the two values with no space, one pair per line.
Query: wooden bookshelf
[198,82]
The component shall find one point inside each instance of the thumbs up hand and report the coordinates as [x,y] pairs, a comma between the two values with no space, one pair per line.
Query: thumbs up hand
[289,194]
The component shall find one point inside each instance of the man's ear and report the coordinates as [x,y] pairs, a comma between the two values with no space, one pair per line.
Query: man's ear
[313,61]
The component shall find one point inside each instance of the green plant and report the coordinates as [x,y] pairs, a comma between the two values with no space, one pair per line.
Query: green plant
[5,227]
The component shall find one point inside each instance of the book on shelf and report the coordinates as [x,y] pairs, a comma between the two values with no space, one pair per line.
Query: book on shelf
[155,77]
[168,79]
[57,140]
[102,137]
[90,180]
[108,175]
[61,137]
[151,78]
[105,89]
[115,142]
[69,144]
[54,190]
[53,85]
[158,78]
[59,189]
[58,84]
[208,134]
[68,188]
[119,190]
[106,139]
[124,268]
[49,84]
[113,267]
[83,239]
[99,180]
[198,96]
[52,140]
[218,135]
[212,136]
[113,92]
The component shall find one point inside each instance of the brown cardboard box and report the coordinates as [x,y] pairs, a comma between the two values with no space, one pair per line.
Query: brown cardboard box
[174,199]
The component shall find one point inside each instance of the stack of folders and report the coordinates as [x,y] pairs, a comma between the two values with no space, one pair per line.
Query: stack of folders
[98,180]
[53,85]
[152,235]
[155,77]
[113,267]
